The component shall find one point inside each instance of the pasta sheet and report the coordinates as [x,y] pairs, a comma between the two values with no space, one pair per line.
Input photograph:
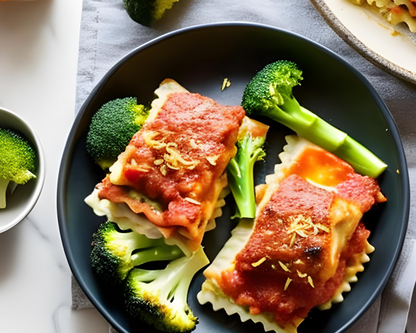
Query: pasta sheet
[394,11]
[211,291]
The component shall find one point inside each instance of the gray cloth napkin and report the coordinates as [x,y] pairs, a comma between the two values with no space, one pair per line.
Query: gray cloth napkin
[107,33]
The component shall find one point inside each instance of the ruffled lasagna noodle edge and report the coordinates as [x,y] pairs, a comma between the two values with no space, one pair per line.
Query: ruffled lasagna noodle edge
[210,291]
[126,219]
[121,214]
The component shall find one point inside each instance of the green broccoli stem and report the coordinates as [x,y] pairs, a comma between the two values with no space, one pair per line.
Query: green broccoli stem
[179,277]
[127,242]
[318,131]
[160,297]
[241,180]
[157,253]
[241,187]
[3,189]
[181,292]
[349,151]
[144,275]
[137,241]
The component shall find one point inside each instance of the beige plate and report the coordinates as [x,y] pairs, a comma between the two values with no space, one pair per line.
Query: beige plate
[391,48]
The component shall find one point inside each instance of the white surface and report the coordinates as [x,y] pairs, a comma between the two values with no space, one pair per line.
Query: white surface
[376,33]
[38,60]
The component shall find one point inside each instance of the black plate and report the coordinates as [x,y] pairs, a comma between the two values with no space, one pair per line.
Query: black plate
[200,58]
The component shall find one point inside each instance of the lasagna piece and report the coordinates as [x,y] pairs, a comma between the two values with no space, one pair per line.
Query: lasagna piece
[394,11]
[305,245]
[172,173]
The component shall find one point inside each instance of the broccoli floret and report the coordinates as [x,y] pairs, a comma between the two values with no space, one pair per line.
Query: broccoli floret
[17,161]
[240,169]
[112,128]
[147,11]
[114,252]
[159,297]
[269,94]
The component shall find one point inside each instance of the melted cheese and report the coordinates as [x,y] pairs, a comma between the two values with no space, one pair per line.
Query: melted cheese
[394,11]
[178,161]
[344,216]
[126,219]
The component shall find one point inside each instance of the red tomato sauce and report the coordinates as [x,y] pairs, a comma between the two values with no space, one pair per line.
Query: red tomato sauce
[262,284]
[176,158]
[361,189]
[324,168]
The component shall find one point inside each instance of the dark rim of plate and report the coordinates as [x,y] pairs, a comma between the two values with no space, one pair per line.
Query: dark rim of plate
[69,150]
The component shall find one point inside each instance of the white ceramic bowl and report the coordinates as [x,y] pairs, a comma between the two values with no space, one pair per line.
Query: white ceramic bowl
[24,198]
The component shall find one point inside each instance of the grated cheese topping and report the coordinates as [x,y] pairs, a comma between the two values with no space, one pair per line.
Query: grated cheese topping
[140,167]
[301,275]
[172,158]
[310,281]
[258,263]
[192,201]
[284,267]
[212,159]
[304,227]
[225,83]
[288,280]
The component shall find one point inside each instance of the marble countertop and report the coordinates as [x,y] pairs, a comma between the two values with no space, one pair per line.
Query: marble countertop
[38,65]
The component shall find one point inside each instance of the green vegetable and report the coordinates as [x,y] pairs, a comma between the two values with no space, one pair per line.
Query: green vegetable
[240,170]
[159,297]
[269,94]
[112,128]
[17,161]
[147,11]
[115,253]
